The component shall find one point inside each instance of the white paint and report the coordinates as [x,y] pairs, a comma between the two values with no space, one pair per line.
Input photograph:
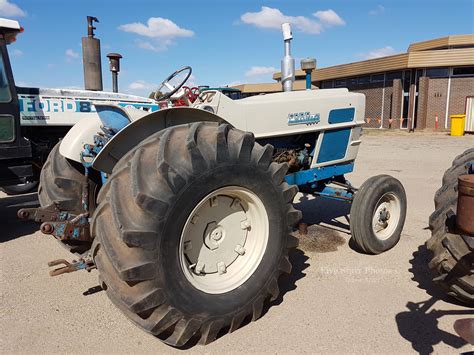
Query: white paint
[447,98]
[383,101]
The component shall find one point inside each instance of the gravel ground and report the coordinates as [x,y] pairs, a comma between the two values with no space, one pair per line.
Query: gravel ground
[336,301]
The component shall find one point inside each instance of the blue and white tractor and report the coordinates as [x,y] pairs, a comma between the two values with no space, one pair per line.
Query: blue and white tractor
[187,212]
[33,120]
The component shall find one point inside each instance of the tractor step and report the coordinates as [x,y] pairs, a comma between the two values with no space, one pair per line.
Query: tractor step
[81,264]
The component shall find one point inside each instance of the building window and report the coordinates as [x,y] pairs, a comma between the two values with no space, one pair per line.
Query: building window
[463,71]
[352,82]
[340,83]
[392,76]
[437,72]
[377,78]
[328,84]
[364,79]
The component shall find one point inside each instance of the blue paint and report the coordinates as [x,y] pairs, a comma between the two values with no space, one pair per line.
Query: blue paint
[334,145]
[341,115]
[112,117]
[333,193]
[308,80]
[103,177]
[312,176]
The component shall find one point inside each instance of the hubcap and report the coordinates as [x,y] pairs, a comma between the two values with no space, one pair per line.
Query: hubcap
[224,239]
[386,216]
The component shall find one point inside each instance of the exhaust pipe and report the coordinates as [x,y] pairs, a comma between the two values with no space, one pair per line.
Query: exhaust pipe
[288,62]
[114,66]
[91,58]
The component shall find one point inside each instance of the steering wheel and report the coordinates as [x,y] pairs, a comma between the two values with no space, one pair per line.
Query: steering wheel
[172,89]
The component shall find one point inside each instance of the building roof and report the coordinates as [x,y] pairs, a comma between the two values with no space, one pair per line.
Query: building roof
[268,87]
[433,53]
[443,43]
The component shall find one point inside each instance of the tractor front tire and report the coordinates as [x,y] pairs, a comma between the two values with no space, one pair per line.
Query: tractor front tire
[61,182]
[378,214]
[453,255]
[192,231]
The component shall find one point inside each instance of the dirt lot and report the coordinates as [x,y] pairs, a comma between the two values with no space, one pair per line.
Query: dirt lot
[336,300]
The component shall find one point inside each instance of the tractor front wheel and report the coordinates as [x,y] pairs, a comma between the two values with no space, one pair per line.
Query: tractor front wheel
[192,231]
[378,214]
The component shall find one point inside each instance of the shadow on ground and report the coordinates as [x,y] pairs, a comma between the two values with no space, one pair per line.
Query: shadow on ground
[12,226]
[419,322]
[328,224]
[325,211]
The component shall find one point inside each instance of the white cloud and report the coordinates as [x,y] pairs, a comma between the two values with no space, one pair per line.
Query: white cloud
[272,18]
[142,85]
[258,71]
[17,52]
[378,53]
[71,55]
[161,30]
[329,18]
[7,9]
[377,11]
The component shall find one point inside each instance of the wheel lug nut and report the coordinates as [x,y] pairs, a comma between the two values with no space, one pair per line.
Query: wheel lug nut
[199,268]
[245,224]
[221,268]
[239,249]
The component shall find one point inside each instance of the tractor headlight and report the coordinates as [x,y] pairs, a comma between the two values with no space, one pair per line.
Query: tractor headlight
[7,128]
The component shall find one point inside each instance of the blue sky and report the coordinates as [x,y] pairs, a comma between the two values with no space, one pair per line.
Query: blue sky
[224,41]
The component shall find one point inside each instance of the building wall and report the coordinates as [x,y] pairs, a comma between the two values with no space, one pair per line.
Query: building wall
[396,104]
[387,106]
[422,103]
[436,102]
[431,102]
[460,89]
[373,105]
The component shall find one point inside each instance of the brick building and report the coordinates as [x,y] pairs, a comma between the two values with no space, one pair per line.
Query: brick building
[434,78]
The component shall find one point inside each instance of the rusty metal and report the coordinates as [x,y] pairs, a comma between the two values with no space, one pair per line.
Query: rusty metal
[81,264]
[303,228]
[76,228]
[465,207]
[62,225]
[91,58]
[47,228]
[90,25]
[42,214]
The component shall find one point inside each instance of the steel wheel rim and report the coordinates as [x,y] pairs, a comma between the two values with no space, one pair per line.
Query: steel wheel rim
[224,239]
[383,225]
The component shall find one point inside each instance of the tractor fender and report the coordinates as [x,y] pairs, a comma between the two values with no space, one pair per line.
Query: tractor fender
[81,133]
[137,131]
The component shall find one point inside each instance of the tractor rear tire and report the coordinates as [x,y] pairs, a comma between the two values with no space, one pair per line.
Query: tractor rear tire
[453,255]
[378,214]
[171,200]
[61,182]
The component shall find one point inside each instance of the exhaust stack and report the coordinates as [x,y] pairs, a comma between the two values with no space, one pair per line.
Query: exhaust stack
[91,58]
[288,62]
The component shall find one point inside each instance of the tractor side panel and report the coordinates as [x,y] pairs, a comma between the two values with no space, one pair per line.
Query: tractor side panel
[334,145]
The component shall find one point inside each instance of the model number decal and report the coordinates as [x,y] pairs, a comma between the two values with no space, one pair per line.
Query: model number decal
[303,118]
